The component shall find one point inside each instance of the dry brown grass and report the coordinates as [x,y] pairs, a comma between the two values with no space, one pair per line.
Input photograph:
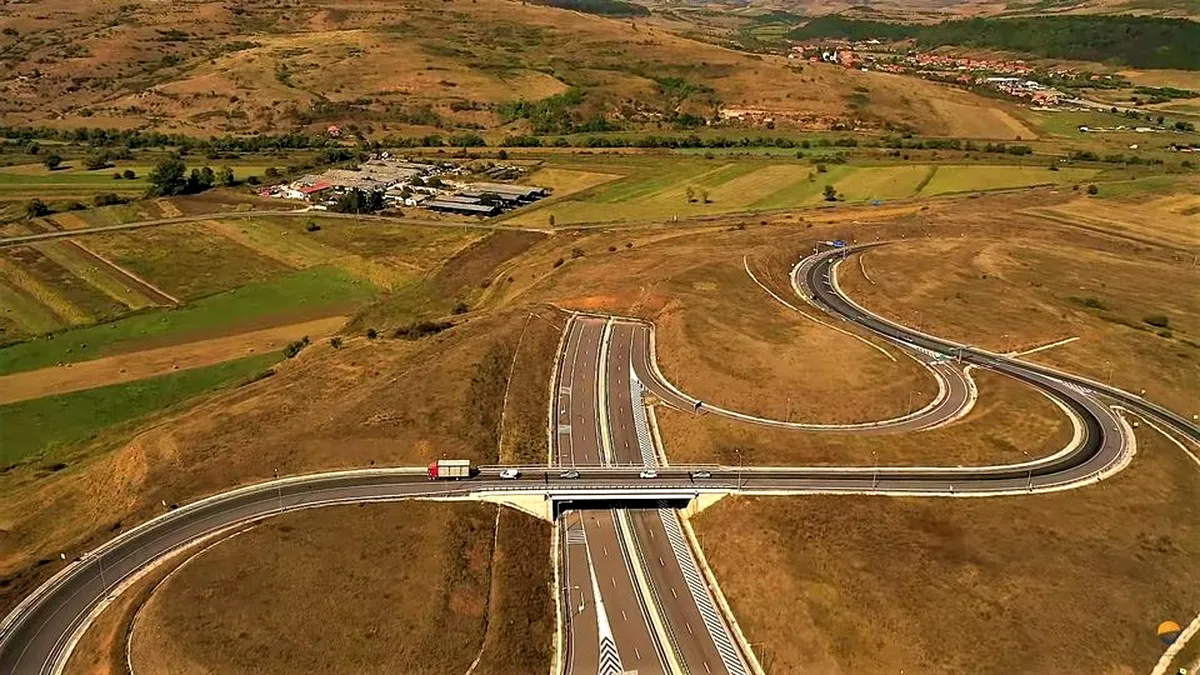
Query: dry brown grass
[1065,582]
[384,402]
[261,67]
[1009,420]
[521,610]
[1157,218]
[723,338]
[404,590]
[1053,283]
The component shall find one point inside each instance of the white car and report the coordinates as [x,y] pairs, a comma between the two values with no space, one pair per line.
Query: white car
[648,473]
[510,474]
[569,475]
[701,474]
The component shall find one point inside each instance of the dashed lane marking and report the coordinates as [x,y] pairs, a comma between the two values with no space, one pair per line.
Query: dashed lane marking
[704,602]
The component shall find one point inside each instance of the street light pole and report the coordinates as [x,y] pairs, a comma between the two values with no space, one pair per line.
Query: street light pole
[875,474]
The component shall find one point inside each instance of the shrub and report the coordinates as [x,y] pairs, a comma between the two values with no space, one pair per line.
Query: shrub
[96,162]
[372,333]
[311,226]
[52,161]
[36,208]
[420,329]
[1158,321]
[129,174]
[576,252]
[460,307]
[1092,189]
[108,199]
[830,193]
[335,342]
[559,262]
[294,348]
[1090,303]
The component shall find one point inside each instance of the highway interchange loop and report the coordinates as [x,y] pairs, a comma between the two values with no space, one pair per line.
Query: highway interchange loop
[39,634]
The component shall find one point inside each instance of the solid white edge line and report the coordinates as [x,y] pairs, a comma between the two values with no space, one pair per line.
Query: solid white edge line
[714,589]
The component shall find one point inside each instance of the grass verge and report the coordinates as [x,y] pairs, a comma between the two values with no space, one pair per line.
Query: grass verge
[860,584]
[404,590]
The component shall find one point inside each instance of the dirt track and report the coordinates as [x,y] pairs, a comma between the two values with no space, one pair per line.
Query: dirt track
[159,361]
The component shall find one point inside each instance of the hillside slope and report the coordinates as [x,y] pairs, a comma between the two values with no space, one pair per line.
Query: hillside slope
[423,67]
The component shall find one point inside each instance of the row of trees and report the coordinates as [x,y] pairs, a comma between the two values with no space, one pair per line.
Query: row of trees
[1143,42]
[170,177]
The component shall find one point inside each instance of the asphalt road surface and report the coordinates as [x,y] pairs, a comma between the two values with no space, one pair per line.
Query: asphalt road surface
[607,552]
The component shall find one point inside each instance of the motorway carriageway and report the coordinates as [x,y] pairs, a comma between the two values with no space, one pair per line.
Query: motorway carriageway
[614,554]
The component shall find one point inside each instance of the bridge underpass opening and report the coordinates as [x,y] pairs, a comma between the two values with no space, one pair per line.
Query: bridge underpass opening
[560,505]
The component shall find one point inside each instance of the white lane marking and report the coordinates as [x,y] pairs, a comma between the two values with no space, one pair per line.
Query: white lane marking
[704,602]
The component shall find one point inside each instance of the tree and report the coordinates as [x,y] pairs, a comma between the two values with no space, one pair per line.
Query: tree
[108,199]
[52,161]
[704,196]
[36,208]
[96,161]
[33,148]
[225,176]
[168,178]
[830,193]
[551,220]
[357,201]
[271,172]
[1092,189]
[690,193]
[129,174]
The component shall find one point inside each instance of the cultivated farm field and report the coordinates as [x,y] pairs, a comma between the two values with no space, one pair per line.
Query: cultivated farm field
[663,189]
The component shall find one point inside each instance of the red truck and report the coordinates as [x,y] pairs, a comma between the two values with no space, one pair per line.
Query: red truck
[450,469]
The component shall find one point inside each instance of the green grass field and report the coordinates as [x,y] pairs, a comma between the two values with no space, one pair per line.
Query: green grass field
[659,191]
[186,260]
[306,293]
[951,179]
[1137,186]
[25,181]
[35,429]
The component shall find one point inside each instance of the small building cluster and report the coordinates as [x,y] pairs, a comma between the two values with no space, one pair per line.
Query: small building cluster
[1010,76]
[434,186]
